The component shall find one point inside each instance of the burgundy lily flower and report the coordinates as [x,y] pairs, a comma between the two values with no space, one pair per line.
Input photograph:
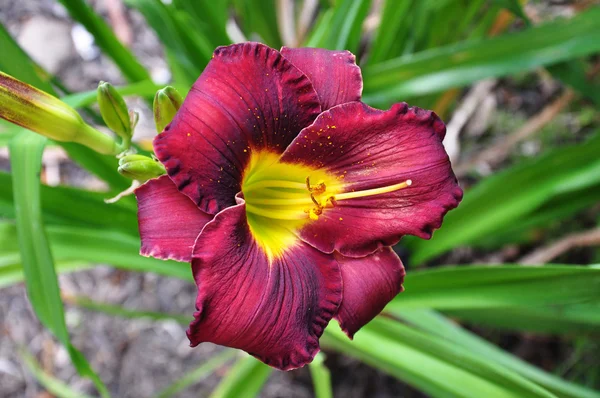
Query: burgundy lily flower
[286,192]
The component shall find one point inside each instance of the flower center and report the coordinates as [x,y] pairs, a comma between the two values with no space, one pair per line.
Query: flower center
[282,197]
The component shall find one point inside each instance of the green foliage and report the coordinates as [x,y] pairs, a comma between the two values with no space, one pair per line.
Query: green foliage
[479,287]
[429,363]
[245,379]
[503,200]
[197,374]
[41,281]
[106,39]
[51,384]
[321,377]
[466,62]
[344,27]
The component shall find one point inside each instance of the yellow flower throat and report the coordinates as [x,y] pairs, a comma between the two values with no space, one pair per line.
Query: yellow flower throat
[282,197]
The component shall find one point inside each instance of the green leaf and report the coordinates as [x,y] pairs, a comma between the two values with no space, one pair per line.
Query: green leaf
[321,377]
[126,313]
[561,318]
[106,40]
[53,385]
[197,374]
[258,17]
[186,45]
[467,62]
[501,201]
[40,277]
[345,28]
[491,286]
[573,73]
[550,213]
[429,363]
[70,206]
[434,323]
[317,34]
[210,16]
[76,248]
[15,62]
[392,31]
[245,379]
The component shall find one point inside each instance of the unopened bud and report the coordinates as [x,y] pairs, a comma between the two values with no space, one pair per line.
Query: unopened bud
[166,104]
[114,110]
[45,114]
[140,167]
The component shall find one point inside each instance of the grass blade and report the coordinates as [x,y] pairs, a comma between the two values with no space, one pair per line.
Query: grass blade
[567,318]
[321,377]
[344,30]
[106,40]
[505,286]
[18,64]
[392,31]
[428,363]
[197,374]
[77,248]
[464,63]
[40,277]
[434,323]
[245,379]
[75,207]
[258,17]
[51,384]
[187,47]
[501,201]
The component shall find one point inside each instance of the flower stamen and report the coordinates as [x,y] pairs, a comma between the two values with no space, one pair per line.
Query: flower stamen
[372,192]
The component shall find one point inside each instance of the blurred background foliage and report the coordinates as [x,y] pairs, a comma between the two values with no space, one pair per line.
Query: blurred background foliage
[518,312]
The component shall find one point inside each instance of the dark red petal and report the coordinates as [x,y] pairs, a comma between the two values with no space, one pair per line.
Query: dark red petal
[334,74]
[367,148]
[275,310]
[369,284]
[248,98]
[169,221]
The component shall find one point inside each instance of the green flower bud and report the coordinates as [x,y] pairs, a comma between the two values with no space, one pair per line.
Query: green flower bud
[166,104]
[140,167]
[45,114]
[114,110]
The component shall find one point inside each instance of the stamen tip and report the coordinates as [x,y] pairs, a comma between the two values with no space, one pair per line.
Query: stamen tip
[409,182]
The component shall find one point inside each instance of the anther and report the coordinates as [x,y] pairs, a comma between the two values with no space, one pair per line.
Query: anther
[315,201]
[316,189]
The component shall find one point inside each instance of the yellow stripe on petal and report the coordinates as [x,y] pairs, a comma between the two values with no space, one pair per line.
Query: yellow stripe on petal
[283,197]
[278,200]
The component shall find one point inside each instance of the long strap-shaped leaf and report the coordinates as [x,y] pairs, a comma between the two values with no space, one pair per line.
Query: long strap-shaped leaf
[429,363]
[245,379]
[434,323]
[54,386]
[17,63]
[464,63]
[106,40]
[343,31]
[504,200]
[42,284]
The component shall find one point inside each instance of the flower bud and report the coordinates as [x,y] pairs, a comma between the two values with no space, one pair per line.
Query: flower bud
[28,107]
[114,110]
[140,167]
[166,104]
